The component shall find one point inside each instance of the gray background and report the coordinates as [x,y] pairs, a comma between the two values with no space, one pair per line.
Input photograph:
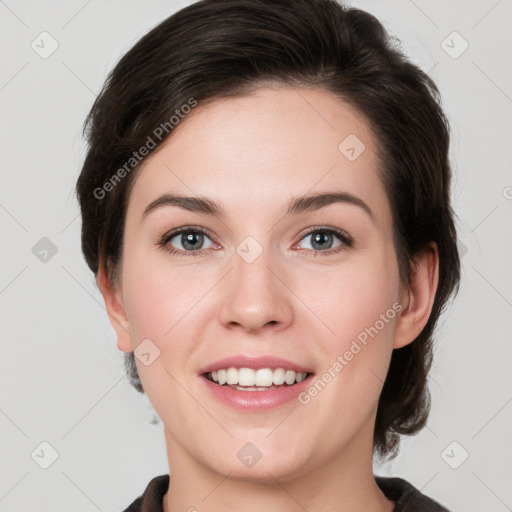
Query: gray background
[62,380]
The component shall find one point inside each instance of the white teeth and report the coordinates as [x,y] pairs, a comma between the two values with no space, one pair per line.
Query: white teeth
[264,377]
[246,377]
[278,377]
[289,377]
[261,378]
[300,377]
[231,376]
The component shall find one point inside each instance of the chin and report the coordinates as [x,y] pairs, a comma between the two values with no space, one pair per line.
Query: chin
[252,461]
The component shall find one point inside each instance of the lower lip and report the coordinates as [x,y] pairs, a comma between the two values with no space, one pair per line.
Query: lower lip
[256,400]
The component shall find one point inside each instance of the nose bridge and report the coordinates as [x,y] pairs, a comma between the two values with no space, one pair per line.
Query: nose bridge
[255,295]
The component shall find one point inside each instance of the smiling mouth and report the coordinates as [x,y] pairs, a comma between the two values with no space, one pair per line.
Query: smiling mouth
[263,379]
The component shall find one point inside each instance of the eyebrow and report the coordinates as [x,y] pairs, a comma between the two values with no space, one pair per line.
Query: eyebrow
[304,204]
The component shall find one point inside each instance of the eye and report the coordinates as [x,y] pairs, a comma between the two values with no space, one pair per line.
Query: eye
[323,238]
[187,241]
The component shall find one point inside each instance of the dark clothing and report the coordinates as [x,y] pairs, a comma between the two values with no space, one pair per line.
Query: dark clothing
[406,497]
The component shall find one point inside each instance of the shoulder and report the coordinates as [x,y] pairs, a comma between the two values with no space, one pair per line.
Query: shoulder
[151,499]
[406,497]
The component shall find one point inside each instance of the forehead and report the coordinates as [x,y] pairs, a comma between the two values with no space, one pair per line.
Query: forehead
[259,150]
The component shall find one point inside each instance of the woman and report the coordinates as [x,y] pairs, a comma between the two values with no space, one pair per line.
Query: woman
[266,208]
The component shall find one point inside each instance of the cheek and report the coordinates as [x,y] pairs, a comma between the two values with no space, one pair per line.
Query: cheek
[358,304]
[354,295]
[149,295]
[156,291]
[161,304]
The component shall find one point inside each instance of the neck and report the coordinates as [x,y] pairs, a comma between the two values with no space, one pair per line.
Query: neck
[342,483]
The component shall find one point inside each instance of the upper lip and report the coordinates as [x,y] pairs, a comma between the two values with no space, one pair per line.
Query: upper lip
[244,361]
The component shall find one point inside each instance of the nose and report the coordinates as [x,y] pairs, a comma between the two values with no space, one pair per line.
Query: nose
[256,295]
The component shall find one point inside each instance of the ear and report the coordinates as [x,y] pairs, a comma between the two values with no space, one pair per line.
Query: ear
[113,297]
[418,298]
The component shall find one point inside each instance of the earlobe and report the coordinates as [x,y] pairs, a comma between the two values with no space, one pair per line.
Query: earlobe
[112,296]
[421,293]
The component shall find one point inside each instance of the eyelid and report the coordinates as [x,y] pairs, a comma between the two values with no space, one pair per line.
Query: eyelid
[184,229]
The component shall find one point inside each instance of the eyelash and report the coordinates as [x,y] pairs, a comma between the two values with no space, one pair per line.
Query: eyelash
[345,238]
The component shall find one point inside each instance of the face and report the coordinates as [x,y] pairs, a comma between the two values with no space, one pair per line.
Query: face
[317,286]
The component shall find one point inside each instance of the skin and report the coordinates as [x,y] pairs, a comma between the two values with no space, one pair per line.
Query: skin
[253,154]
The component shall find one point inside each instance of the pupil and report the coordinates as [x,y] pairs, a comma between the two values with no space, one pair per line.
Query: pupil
[191,239]
[320,237]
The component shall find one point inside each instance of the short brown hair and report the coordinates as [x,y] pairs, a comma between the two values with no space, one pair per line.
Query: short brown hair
[221,48]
